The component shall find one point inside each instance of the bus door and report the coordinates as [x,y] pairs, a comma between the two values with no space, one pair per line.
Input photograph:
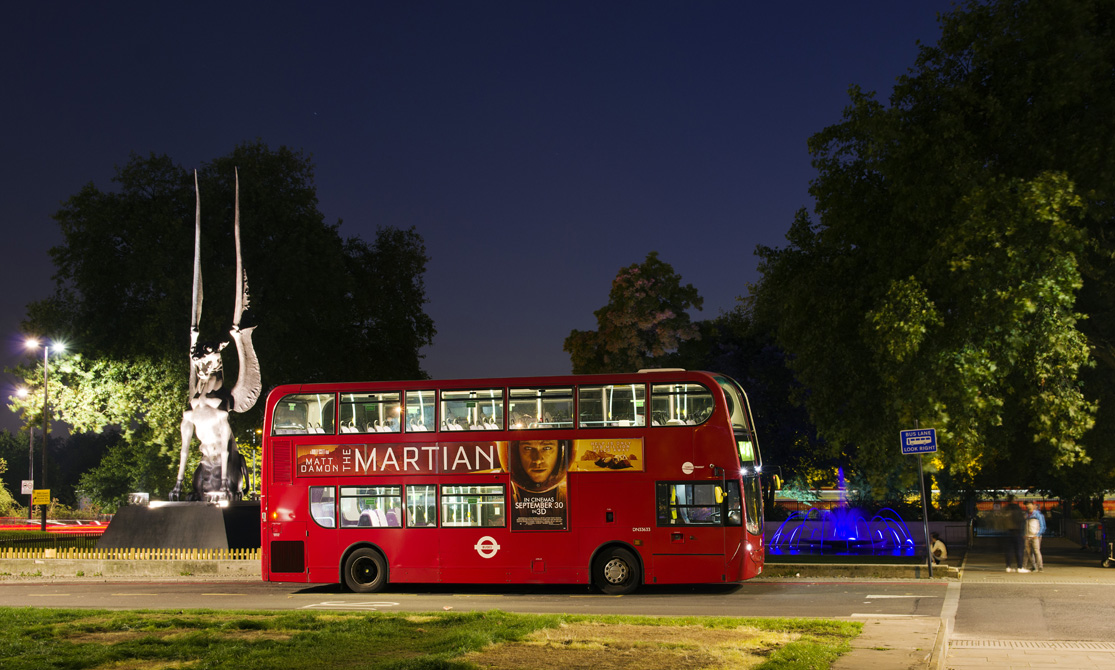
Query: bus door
[691,535]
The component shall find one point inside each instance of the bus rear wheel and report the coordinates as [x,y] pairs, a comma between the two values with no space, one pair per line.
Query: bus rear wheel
[616,571]
[365,571]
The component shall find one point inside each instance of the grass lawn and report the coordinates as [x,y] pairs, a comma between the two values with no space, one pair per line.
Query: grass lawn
[38,639]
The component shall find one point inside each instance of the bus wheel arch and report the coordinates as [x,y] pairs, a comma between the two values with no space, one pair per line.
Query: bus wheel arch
[364,568]
[616,569]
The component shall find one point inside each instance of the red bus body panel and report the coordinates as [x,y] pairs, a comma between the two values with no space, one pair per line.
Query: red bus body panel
[604,508]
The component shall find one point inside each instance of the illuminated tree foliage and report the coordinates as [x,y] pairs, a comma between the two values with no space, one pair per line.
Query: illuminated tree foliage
[643,324]
[328,308]
[958,269]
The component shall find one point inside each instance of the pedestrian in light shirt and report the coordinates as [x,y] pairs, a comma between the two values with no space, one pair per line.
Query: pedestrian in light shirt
[1035,527]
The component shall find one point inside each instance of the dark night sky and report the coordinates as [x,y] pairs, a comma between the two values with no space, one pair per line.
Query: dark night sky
[537,146]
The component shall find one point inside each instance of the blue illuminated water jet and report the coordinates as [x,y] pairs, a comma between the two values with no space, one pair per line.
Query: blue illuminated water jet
[842,531]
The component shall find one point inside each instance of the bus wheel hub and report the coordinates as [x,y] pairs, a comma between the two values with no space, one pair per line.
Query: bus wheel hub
[615,571]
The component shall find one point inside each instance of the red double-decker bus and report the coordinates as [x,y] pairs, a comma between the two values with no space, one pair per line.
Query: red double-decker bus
[618,480]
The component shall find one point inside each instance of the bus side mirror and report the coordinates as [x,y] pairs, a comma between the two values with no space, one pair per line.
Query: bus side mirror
[777,481]
[719,495]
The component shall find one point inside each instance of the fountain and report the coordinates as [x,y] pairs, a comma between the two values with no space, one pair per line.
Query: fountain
[842,530]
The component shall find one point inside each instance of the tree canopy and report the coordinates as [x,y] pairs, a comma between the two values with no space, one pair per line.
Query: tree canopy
[643,324]
[327,307]
[958,268]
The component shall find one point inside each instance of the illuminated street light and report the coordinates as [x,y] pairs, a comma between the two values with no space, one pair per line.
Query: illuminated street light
[58,347]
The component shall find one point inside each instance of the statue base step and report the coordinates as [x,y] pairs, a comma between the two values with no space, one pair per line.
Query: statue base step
[183,525]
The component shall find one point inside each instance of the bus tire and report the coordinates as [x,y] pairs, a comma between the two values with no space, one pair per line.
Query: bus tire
[616,571]
[365,571]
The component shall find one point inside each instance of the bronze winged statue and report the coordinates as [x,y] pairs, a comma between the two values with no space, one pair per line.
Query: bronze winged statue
[222,472]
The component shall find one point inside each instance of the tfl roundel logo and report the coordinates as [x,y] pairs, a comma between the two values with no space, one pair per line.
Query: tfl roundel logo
[486,546]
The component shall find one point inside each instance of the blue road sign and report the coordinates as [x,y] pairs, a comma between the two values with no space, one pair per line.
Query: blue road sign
[920,441]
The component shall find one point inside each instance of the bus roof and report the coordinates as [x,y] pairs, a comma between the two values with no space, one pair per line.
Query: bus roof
[654,374]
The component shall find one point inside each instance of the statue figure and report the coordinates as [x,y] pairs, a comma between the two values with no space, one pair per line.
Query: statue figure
[222,470]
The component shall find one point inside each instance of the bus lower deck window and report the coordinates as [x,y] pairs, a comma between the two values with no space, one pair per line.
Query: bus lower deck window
[483,506]
[371,507]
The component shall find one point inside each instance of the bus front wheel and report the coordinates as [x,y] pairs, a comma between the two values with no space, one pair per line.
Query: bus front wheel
[365,571]
[616,571]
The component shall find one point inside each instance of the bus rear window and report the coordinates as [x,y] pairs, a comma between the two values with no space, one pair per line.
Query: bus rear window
[680,404]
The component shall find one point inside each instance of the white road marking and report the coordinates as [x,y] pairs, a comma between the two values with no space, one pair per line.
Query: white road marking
[134,594]
[346,605]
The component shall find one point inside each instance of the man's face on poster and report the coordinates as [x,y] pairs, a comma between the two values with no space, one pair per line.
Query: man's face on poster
[538,458]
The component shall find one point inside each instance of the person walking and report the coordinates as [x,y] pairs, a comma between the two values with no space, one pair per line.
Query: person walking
[1035,528]
[1013,521]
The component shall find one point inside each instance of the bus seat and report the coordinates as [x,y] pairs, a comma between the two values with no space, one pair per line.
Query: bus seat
[366,519]
[350,513]
[393,518]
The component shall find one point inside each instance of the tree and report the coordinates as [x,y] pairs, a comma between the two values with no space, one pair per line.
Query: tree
[735,344]
[13,470]
[958,271]
[8,504]
[327,308]
[643,324]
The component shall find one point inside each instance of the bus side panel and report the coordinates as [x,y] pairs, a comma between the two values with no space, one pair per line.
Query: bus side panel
[412,553]
[688,569]
[620,512]
[545,557]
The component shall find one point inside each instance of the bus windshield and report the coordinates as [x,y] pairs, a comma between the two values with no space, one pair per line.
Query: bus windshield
[740,414]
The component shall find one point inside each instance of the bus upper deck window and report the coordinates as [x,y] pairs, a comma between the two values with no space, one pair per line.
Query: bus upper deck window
[480,409]
[303,414]
[680,404]
[540,408]
[420,413]
[612,406]
[371,412]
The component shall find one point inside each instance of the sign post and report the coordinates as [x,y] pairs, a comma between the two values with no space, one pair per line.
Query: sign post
[921,441]
[41,497]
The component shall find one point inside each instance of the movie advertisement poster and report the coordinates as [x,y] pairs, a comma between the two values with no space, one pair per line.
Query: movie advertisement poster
[608,455]
[390,459]
[538,484]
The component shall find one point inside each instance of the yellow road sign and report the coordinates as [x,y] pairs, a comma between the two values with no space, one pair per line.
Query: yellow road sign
[40,497]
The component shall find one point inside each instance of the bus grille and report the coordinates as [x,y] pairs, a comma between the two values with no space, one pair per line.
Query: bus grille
[288,556]
[281,464]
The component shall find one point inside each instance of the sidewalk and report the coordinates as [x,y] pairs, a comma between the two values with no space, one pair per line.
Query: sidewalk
[1065,563]
[927,643]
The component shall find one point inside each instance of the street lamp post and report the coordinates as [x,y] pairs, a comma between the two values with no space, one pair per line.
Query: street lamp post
[23,393]
[58,348]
